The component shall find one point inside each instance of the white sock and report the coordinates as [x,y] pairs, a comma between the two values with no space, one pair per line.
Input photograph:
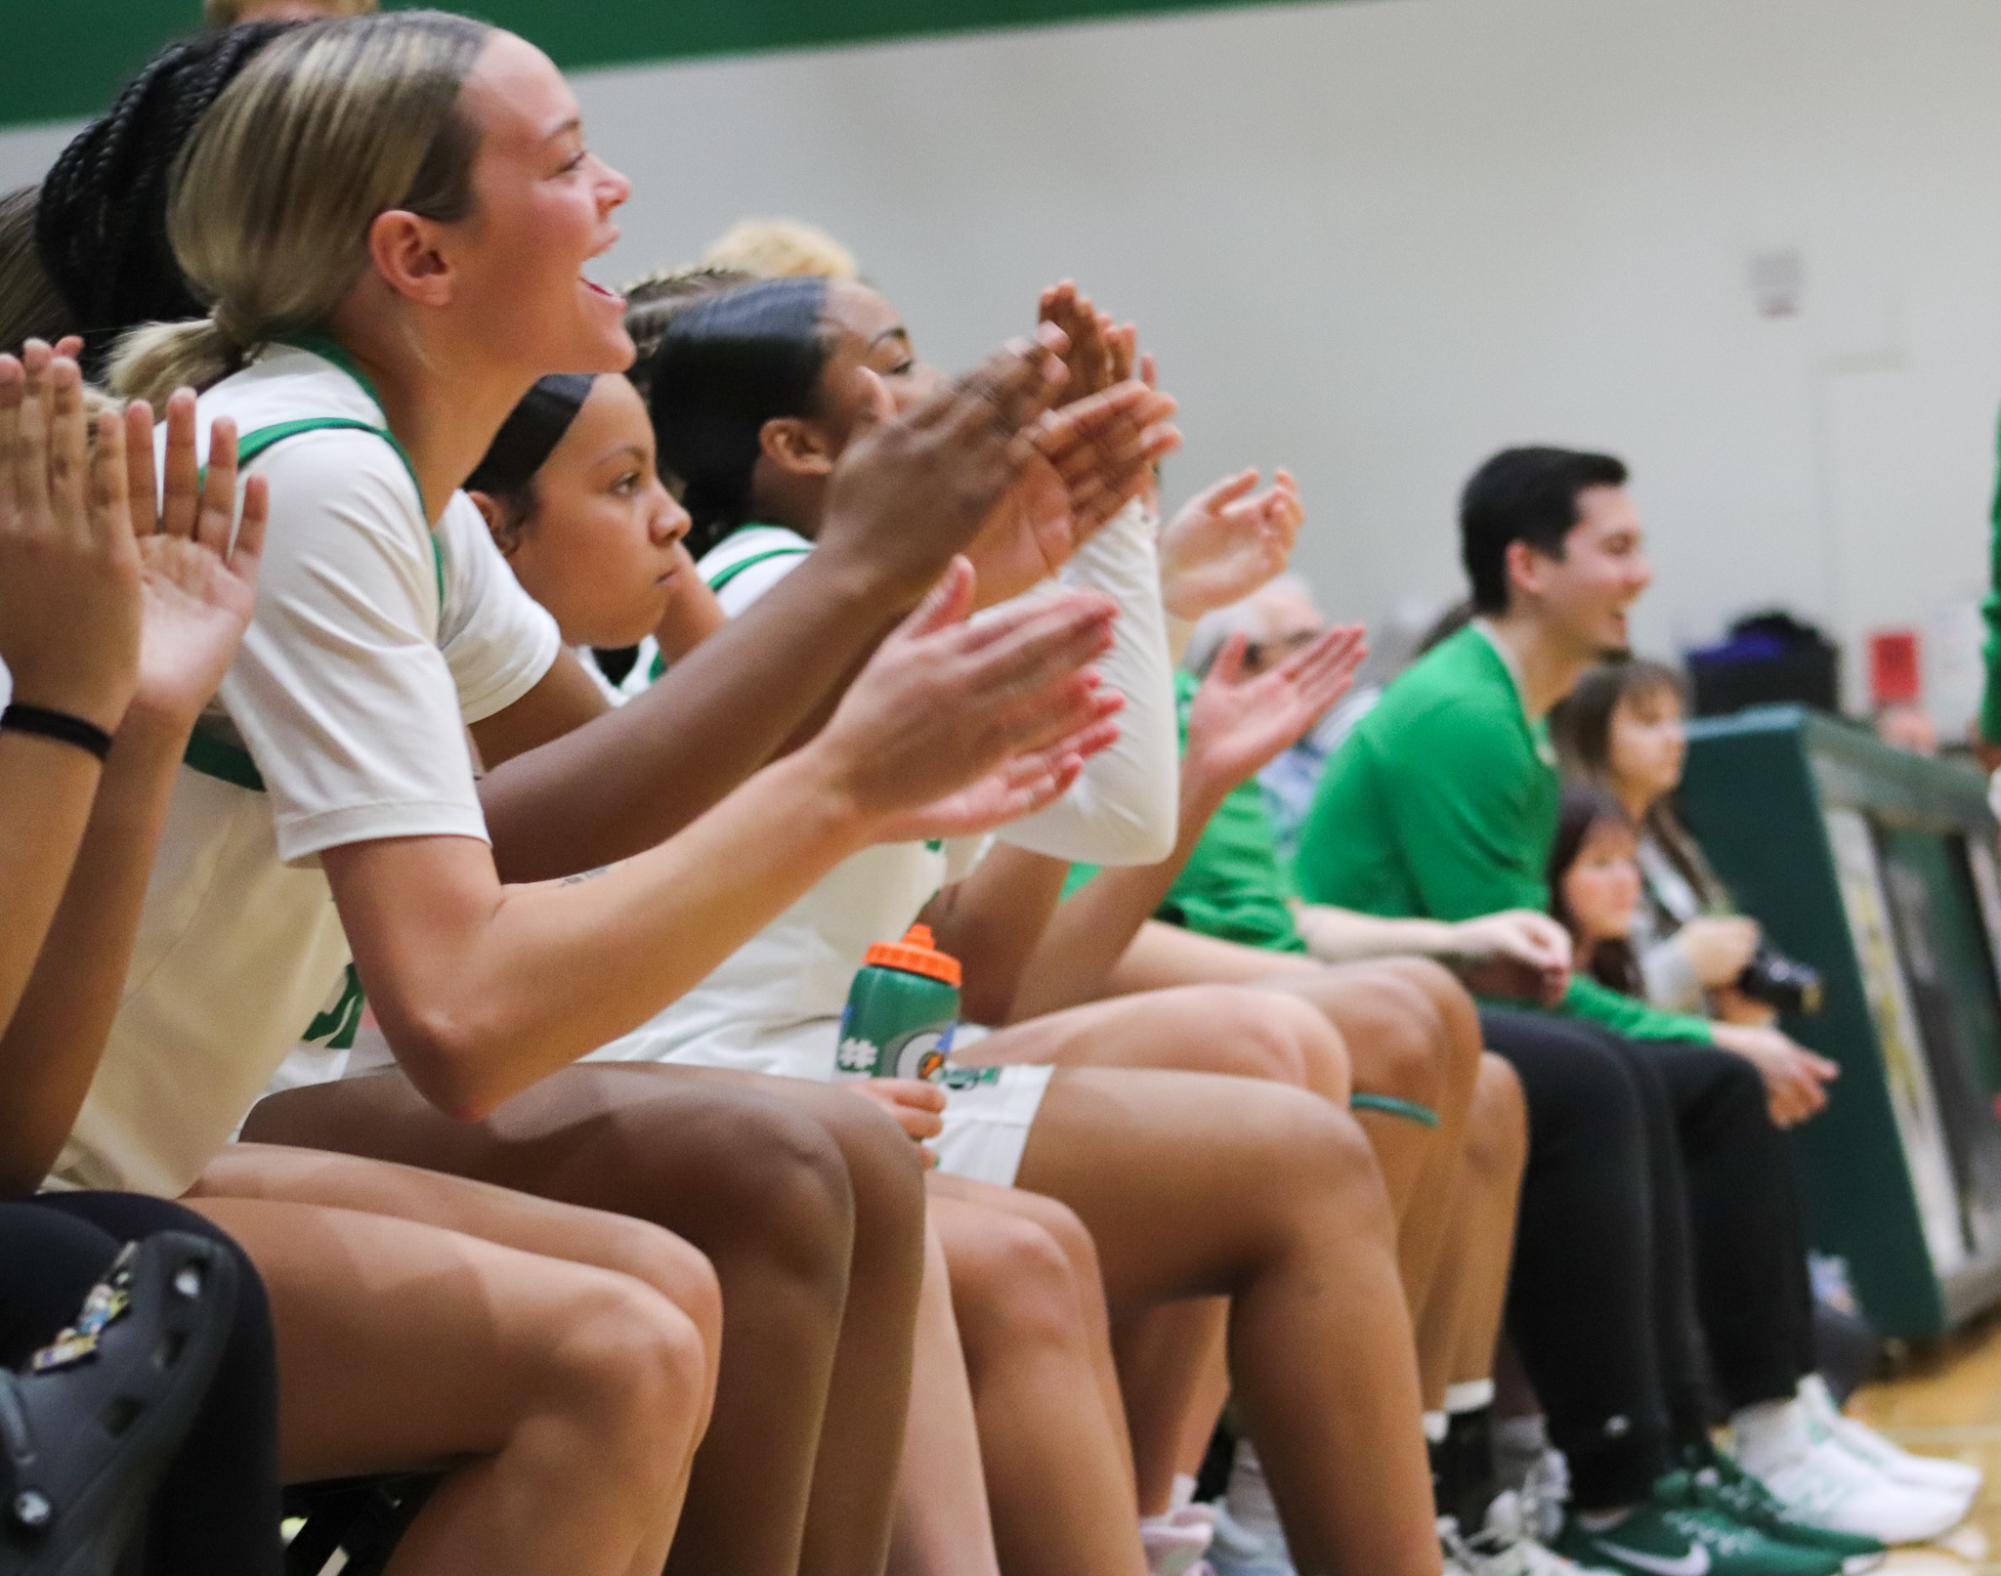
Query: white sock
[1522,1436]
[1771,1435]
[1184,1492]
[1469,1395]
[1435,1427]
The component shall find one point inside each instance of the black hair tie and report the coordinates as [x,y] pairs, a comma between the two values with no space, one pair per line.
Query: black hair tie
[57,725]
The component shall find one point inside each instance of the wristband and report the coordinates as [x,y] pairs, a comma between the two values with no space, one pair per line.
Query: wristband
[57,725]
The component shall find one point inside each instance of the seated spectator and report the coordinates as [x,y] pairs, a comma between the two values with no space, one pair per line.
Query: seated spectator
[1622,730]
[1276,620]
[1442,804]
[1594,884]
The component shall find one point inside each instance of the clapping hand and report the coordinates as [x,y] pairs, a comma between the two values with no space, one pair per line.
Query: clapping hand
[198,563]
[1238,723]
[69,570]
[954,727]
[1227,541]
[1094,453]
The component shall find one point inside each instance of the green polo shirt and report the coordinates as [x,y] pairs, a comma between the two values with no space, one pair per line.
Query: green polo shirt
[1442,805]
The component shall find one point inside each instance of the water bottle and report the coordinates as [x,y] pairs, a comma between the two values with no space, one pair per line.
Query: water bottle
[902,1010]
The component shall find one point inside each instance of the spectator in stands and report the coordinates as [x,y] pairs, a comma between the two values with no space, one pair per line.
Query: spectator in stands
[780,249]
[1622,730]
[1442,805]
[1594,884]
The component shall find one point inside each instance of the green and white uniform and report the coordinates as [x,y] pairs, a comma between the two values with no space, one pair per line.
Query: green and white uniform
[341,720]
[774,1006]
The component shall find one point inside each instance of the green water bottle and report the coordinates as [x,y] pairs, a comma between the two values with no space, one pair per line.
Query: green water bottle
[902,1010]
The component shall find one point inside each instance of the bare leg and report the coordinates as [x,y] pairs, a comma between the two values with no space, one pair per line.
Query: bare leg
[1057,1467]
[1174,1372]
[1088,1284]
[1171,1366]
[498,1215]
[1484,1238]
[944,1526]
[1271,1198]
[561,1399]
[809,1204]
[1411,1032]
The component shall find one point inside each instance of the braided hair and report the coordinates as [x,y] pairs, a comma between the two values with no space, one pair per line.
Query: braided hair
[101,222]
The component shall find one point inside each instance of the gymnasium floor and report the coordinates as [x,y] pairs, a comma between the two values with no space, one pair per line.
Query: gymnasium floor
[1948,1402]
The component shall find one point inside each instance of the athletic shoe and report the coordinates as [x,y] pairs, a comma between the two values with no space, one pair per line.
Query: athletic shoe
[1892,1460]
[1830,1487]
[1722,1484]
[1237,1551]
[86,1433]
[1174,1543]
[1507,1547]
[1672,1534]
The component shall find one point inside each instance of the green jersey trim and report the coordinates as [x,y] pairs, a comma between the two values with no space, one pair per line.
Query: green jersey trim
[726,575]
[218,758]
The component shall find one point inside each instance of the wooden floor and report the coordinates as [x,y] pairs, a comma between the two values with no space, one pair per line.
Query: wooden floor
[1948,1403]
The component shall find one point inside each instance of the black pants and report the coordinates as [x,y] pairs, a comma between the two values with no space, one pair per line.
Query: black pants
[1741,1243]
[217,1508]
[1657,1194]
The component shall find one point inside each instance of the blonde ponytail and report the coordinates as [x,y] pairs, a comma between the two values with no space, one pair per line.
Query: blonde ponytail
[273,196]
[152,361]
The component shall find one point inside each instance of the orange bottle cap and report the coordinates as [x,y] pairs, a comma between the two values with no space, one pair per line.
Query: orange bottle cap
[915,954]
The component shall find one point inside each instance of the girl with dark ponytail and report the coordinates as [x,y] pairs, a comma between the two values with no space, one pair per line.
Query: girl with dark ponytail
[100,244]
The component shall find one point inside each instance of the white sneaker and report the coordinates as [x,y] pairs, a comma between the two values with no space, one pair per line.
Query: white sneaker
[1545,1492]
[1238,1551]
[1175,1543]
[1888,1458]
[1504,1549]
[1830,1486]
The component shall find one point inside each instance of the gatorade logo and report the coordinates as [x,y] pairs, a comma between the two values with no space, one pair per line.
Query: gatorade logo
[923,1055]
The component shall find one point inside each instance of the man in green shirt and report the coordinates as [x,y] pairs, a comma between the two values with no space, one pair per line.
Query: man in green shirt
[1442,803]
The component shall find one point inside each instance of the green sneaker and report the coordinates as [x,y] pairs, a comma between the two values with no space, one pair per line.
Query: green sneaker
[1673,1534]
[1722,1483]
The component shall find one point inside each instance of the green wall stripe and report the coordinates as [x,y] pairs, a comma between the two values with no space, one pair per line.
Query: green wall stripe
[65,58]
